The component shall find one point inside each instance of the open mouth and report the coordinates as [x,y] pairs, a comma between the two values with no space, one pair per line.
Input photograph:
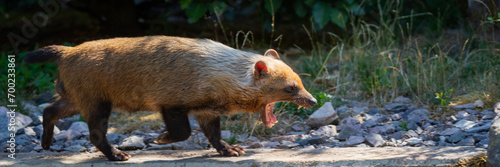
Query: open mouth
[268,117]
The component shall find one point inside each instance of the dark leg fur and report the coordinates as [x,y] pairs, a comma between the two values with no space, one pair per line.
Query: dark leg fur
[177,122]
[61,108]
[211,128]
[97,119]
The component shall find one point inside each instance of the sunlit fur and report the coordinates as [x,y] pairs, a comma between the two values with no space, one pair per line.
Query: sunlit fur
[148,73]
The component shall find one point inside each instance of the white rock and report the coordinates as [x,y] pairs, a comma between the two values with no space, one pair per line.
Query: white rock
[132,143]
[323,116]
[479,104]
[465,124]
[414,141]
[79,127]
[326,131]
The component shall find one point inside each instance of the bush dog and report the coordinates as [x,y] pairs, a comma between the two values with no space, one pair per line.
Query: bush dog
[173,75]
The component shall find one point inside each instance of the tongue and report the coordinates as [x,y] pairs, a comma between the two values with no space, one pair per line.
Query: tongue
[268,118]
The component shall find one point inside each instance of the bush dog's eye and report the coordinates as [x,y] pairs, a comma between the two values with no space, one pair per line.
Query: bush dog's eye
[290,89]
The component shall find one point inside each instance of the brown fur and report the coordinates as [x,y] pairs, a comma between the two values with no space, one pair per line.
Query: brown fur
[177,76]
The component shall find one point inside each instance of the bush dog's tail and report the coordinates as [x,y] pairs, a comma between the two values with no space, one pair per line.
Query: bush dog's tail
[45,54]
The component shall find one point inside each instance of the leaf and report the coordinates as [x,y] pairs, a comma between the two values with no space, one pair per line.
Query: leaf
[498,15]
[195,11]
[299,8]
[276,5]
[338,18]
[217,7]
[184,4]
[309,3]
[321,13]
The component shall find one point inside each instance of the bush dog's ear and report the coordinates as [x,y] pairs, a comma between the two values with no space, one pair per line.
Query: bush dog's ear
[260,70]
[272,53]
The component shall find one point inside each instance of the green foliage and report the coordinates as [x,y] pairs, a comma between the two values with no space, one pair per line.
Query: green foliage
[196,10]
[444,97]
[404,125]
[303,113]
[30,78]
[232,140]
[493,20]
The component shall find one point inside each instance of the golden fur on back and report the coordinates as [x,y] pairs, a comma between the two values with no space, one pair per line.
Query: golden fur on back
[147,73]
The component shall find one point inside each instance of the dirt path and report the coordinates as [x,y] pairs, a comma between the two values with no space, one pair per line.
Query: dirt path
[403,156]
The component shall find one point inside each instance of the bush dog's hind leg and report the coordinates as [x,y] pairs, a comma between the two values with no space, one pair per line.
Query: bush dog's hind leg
[61,108]
[97,119]
[211,128]
[177,122]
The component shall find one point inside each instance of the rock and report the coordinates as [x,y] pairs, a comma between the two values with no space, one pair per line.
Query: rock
[186,145]
[64,124]
[254,145]
[301,127]
[456,137]
[494,139]
[132,143]
[288,145]
[396,107]
[30,108]
[270,144]
[418,115]
[402,99]
[412,125]
[462,115]
[375,120]
[356,110]
[411,133]
[115,138]
[480,136]
[344,110]
[29,131]
[354,140]
[395,117]
[350,121]
[488,115]
[54,147]
[483,128]
[323,116]
[138,133]
[43,106]
[160,146]
[449,131]
[315,140]
[347,132]
[79,127]
[463,107]
[37,118]
[67,135]
[397,135]
[414,141]
[429,143]
[193,123]
[38,148]
[373,111]
[75,148]
[20,121]
[290,138]
[464,124]
[467,142]
[374,140]
[225,134]
[482,143]
[45,97]
[325,131]
[478,104]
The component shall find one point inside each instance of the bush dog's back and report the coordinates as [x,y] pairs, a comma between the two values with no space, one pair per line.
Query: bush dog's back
[175,76]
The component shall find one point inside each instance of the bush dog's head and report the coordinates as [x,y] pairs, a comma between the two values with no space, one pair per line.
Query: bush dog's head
[279,82]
